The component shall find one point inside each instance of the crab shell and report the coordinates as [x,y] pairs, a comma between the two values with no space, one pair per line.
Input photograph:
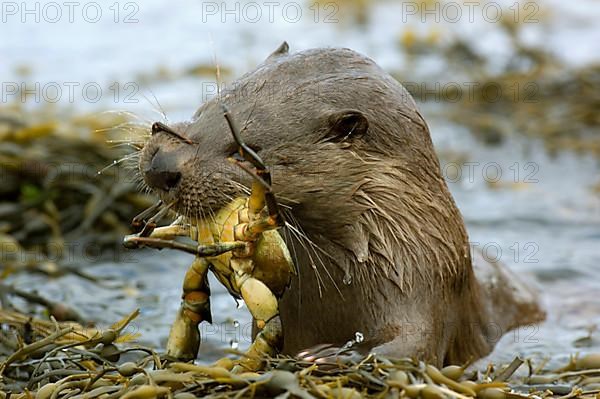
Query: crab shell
[272,262]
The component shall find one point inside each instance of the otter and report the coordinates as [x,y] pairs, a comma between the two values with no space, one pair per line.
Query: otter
[380,245]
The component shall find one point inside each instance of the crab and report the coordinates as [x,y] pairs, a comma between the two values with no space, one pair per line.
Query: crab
[243,249]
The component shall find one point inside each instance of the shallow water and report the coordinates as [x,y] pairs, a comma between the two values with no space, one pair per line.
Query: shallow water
[544,219]
[543,224]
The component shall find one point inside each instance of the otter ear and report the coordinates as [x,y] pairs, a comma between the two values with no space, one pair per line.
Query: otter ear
[346,125]
[283,49]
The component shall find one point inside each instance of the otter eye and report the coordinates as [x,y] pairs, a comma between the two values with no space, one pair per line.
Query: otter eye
[346,125]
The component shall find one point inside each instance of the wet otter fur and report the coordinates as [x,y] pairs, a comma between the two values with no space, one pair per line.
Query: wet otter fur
[380,245]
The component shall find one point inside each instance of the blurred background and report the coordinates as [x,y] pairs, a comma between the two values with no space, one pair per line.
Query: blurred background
[510,91]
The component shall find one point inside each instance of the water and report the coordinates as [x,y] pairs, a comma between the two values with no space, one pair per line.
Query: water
[540,219]
[544,226]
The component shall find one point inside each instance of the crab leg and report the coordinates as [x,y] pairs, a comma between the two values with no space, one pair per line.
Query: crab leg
[261,185]
[139,219]
[184,337]
[268,341]
[263,306]
[198,250]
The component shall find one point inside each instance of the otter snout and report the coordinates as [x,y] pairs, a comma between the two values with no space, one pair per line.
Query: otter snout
[162,171]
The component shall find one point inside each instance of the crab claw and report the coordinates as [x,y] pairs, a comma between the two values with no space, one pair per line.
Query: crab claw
[131,241]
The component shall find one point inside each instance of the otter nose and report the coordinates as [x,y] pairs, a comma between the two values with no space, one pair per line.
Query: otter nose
[162,171]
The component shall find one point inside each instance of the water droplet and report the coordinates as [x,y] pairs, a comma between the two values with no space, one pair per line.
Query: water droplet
[359,337]
[234,344]
[347,345]
[114,162]
[347,279]
[236,323]
[99,172]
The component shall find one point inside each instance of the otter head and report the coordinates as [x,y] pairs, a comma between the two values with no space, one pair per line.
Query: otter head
[350,156]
